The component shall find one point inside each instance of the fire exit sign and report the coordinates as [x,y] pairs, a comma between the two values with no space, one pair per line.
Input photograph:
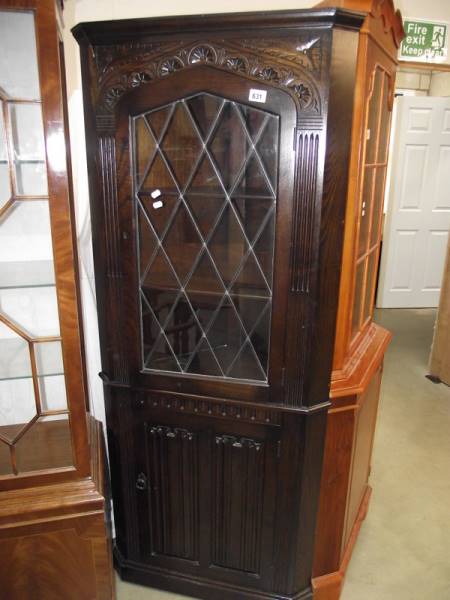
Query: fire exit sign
[424,41]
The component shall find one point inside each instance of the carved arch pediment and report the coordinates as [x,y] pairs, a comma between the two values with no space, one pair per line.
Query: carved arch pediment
[125,67]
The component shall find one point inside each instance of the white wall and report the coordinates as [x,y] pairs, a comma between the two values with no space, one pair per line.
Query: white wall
[440,84]
[426,10]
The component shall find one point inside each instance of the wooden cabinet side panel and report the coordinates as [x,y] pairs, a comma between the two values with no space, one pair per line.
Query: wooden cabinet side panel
[67,558]
[333,490]
[364,436]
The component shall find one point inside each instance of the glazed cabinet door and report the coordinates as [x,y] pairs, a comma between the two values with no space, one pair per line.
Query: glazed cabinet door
[205,186]
[205,495]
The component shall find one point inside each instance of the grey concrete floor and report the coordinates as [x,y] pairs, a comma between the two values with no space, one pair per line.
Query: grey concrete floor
[403,550]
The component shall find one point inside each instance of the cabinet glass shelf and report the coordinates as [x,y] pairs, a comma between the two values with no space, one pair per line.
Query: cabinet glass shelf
[26,274]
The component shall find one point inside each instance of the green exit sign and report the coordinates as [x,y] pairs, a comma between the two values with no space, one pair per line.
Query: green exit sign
[424,41]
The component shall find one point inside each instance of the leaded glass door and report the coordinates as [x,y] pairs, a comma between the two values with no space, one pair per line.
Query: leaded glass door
[205,178]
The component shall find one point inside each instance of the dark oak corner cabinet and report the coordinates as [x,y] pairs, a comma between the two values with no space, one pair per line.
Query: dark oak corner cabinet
[54,517]
[218,152]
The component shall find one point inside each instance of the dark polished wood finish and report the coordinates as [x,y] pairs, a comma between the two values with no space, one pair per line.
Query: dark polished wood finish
[216,480]
[360,344]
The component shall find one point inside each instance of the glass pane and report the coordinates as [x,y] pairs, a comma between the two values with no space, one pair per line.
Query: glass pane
[18,61]
[378,205]
[263,249]
[385,123]
[53,393]
[358,297]
[29,148]
[17,274]
[47,444]
[230,145]
[205,278]
[226,334]
[370,283]
[268,151]
[17,406]
[182,331]
[31,179]
[182,243]
[205,210]
[26,252]
[228,245]
[373,116]
[206,180]
[205,108]
[49,359]
[34,310]
[157,177]
[5,186]
[253,180]
[145,147]
[15,355]
[28,131]
[181,145]
[366,207]
[206,258]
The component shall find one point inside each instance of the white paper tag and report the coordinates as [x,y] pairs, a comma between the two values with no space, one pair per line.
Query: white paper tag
[157,204]
[155,194]
[257,95]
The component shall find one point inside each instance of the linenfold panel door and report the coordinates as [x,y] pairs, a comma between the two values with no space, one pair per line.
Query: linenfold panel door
[418,217]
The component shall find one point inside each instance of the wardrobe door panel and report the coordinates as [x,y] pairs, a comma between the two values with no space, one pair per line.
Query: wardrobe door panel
[205,495]
[172,481]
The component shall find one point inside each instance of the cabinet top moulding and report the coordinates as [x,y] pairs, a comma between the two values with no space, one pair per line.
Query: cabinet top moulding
[128,30]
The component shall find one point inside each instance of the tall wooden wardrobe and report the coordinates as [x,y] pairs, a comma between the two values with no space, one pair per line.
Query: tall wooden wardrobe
[218,153]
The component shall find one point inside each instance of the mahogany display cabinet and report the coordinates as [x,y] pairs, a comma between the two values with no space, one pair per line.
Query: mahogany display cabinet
[54,539]
[360,343]
[218,157]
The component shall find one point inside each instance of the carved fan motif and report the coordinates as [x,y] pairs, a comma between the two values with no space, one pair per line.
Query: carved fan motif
[287,70]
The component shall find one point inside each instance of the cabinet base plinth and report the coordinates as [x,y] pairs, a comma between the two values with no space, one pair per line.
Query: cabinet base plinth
[197,587]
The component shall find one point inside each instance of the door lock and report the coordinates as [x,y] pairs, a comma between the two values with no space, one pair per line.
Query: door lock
[141,481]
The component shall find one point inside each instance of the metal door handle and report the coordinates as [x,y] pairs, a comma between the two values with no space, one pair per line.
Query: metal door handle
[104,376]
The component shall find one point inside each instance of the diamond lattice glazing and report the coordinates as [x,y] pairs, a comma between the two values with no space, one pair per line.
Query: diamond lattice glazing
[206,242]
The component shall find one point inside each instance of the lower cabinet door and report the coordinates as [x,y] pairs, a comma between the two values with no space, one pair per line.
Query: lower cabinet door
[206,496]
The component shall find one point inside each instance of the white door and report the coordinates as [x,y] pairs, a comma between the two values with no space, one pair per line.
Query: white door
[418,215]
